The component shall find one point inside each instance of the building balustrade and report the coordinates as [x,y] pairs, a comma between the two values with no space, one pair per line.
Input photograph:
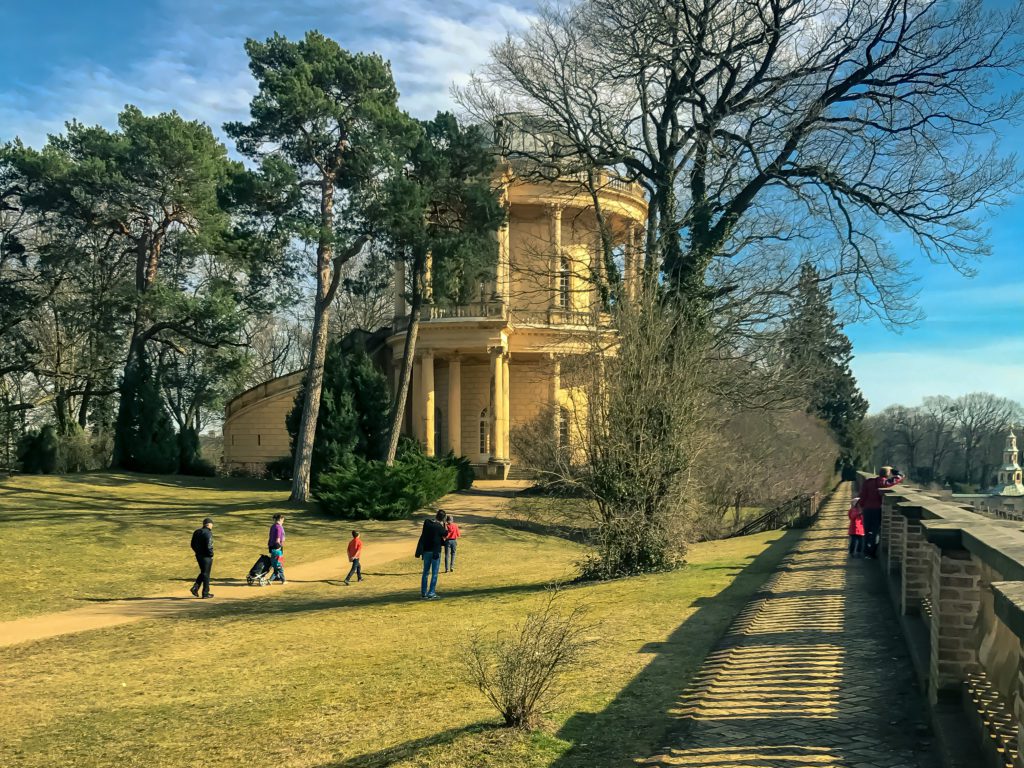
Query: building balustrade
[957,579]
[605,180]
[497,310]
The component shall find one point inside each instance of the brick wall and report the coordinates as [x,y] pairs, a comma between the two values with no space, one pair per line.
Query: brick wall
[916,581]
[955,601]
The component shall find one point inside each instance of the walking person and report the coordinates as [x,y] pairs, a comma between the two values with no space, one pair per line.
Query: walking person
[429,548]
[870,503]
[202,546]
[355,551]
[856,530]
[275,543]
[451,541]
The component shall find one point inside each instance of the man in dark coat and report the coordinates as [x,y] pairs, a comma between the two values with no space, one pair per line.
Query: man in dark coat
[202,545]
[429,548]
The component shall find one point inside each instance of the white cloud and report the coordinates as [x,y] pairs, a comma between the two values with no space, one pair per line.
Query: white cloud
[906,376]
[199,67]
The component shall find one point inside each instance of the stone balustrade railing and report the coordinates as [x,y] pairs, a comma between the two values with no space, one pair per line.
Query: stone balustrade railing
[957,579]
[498,310]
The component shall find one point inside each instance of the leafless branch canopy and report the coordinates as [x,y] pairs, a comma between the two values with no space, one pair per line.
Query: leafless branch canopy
[768,129]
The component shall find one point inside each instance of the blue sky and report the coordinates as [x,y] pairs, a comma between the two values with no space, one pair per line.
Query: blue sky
[88,59]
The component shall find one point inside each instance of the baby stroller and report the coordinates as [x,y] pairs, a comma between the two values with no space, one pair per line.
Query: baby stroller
[259,574]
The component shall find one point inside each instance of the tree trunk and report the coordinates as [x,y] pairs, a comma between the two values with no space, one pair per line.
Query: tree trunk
[402,396]
[318,349]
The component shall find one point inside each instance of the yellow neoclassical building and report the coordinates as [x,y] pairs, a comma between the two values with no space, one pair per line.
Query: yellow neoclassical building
[484,368]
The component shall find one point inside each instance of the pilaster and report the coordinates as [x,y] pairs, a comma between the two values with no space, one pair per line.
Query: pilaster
[455,405]
[429,404]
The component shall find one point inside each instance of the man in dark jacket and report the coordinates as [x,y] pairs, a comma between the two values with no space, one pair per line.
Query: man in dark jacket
[202,545]
[429,548]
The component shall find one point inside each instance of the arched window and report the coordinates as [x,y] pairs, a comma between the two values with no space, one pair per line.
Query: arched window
[564,273]
[485,432]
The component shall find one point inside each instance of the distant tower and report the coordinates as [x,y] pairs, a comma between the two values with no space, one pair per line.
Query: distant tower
[1010,481]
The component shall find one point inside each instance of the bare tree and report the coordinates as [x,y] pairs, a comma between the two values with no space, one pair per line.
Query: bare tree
[976,416]
[769,131]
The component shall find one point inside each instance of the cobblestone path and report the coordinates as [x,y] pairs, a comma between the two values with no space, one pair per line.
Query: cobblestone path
[812,674]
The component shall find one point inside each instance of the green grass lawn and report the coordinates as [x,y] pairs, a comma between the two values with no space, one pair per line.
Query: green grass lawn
[126,535]
[324,676]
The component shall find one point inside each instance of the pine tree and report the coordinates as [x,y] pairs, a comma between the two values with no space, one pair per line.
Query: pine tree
[816,345]
[443,208]
[353,415]
[332,118]
[144,438]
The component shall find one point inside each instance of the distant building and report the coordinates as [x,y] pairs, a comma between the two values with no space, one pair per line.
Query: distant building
[1006,498]
[484,368]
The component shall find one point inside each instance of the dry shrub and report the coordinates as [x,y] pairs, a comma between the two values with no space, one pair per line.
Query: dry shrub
[518,670]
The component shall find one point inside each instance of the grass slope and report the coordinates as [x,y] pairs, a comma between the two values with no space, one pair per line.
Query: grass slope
[329,677]
[96,536]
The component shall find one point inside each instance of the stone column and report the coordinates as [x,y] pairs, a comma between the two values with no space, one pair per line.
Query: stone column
[555,224]
[498,404]
[455,406]
[416,395]
[400,308]
[507,399]
[956,598]
[429,404]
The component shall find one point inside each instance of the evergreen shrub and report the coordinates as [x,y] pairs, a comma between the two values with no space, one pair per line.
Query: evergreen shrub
[144,439]
[281,469]
[463,471]
[353,416]
[39,451]
[190,460]
[361,489]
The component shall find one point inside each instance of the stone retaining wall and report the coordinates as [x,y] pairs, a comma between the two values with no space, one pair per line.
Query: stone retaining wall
[957,578]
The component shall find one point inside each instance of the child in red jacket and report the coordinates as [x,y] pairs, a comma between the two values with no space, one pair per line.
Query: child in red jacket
[856,530]
[355,551]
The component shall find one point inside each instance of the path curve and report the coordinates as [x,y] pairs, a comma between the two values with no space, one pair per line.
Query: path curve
[116,612]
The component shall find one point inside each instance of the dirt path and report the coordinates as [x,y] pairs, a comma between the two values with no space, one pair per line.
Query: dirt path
[116,612]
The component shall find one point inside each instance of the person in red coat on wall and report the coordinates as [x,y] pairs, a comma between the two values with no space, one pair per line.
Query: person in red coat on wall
[870,503]
[856,530]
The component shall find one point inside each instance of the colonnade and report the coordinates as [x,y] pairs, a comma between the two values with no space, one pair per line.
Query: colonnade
[424,403]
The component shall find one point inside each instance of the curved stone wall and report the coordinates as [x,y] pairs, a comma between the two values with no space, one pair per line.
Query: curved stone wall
[254,429]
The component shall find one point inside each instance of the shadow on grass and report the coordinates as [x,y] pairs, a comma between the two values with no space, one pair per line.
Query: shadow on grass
[391,755]
[115,479]
[567,532]
[352,598]
[639,719]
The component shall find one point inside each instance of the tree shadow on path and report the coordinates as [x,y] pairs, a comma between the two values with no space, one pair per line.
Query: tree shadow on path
[637,722]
